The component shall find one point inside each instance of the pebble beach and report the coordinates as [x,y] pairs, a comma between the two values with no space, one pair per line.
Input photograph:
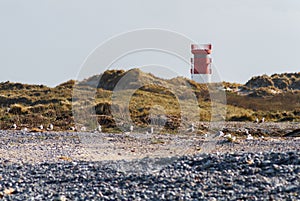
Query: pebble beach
[67,166]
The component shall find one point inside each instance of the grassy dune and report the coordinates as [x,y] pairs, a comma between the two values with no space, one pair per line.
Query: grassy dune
[174,102]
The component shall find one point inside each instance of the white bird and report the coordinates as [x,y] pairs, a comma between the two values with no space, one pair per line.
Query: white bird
[14,126]
[83,128]
[191,128]
[249,137]
[41,127]
[50,127]
[256,120]
[151,130]
[99,128]
[72,128]
[227,135]
[247,131]
[131,128]
[263,120]
[221,134]
[206,135]
[231,138]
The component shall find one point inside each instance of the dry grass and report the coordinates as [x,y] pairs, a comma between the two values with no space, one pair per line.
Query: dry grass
[169,102]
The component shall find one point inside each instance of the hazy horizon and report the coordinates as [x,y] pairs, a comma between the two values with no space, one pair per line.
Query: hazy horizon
[46,42]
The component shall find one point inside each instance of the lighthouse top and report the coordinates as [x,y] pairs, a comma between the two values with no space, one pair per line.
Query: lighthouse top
[201,49]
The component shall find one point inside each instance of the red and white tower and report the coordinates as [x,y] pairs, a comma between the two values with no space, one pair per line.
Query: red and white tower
[201,63]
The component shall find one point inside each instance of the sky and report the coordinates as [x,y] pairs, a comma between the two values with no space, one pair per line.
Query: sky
[46,42]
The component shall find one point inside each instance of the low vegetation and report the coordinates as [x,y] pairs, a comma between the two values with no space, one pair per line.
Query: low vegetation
[174,103]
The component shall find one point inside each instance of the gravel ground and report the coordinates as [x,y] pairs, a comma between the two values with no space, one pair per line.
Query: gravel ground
[244,176]
[99,166]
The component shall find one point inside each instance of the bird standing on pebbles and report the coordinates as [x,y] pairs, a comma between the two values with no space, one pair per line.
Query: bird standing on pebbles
[221,134]
[249,137]
[41,127]
[99,129]
[262,120]
[83,128]
[7,110]
[131,128]
[230,137]
[72,128]
[50,127]
[150,131]
[191,128]
[14,126]
[227,135]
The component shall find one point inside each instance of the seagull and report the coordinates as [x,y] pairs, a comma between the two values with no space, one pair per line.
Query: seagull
[131,128]
[221,134]
[262,120]
[256,120]
[99,128]
[14,126]
[249,137]
[72,128]
[151,130]
[247,131]
[50,127]
[41,127]
[227,135]
[230,137]
[191,128]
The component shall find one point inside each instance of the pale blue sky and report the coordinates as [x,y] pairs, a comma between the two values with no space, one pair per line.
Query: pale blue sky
[46,41]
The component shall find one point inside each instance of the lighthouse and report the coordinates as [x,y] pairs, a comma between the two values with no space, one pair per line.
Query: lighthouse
[201,63]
